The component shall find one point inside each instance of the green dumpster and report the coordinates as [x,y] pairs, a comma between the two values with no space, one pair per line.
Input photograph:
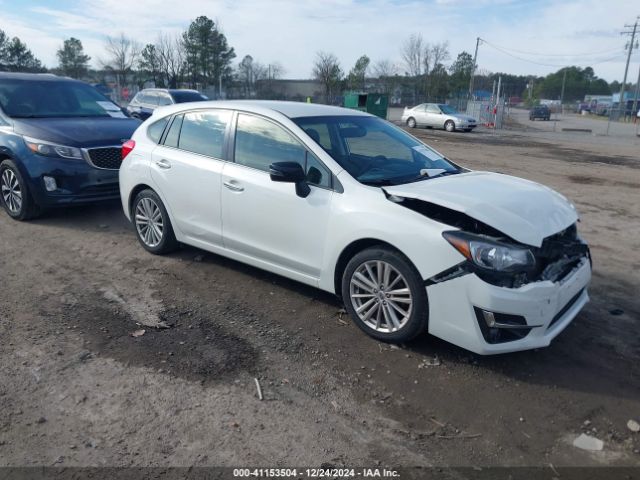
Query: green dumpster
[374,103]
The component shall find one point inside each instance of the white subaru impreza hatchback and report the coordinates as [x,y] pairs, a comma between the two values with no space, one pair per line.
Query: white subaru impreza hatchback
[351,204]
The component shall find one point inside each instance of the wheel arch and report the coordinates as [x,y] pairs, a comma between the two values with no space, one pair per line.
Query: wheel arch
[134,193]
[348,253]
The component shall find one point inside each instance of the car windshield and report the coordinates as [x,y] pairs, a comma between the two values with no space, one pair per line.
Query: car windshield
[45,99]
[183,97]
[448,110]
[374,151]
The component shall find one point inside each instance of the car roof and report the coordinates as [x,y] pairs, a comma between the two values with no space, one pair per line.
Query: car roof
[168,90]
[47,77]
[288,109]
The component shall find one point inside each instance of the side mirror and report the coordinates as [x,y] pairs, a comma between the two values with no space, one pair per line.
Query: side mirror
[290,172]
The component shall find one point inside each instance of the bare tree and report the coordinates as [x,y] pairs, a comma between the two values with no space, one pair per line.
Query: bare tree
[435,54]
[413,54]
[434,57]
[327,71]
[385,68]
[122,56]
[171,56]
[385,71]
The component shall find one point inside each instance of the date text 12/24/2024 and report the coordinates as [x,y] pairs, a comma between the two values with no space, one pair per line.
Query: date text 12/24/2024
[315,473]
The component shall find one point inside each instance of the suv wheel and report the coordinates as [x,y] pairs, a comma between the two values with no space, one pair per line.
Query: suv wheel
[153,227]
[384,295]
[14,193]
[449,126]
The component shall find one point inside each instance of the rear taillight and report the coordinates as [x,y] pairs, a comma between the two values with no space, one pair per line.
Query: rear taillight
[127,147]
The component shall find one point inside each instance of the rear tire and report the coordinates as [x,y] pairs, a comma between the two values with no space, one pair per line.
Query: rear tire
[153,226]
[411,123]
[14,193]
[395,312]
[449,126]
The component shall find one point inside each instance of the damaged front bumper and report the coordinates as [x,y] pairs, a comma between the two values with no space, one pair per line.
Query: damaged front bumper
[526,317]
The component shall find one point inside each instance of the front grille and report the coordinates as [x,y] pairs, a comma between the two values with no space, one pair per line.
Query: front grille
[106,157]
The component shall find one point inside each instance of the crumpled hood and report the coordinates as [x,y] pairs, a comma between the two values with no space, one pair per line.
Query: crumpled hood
[78,132]
[525,211]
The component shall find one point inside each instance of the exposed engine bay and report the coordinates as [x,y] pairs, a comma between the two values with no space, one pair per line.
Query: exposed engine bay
[558,255]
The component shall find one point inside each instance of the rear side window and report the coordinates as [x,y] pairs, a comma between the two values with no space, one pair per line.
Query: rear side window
[173,134]
[259,143]
[154,131]
[203,132]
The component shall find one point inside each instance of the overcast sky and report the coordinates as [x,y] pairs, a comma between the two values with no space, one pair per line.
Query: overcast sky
[549,32]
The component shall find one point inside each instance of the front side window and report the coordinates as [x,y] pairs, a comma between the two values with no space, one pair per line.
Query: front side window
[259,143]
[376,152]
[433,109]
[203,132]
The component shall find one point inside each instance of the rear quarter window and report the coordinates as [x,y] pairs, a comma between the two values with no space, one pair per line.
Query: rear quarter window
[155,130]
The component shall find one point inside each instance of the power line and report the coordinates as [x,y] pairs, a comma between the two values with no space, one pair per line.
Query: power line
[603,60]
[590,54]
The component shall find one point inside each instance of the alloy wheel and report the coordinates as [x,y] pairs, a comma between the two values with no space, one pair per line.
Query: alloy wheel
[381,296]
[11,191]
[149,222]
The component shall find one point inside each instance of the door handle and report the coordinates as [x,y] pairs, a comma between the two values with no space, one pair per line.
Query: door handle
[231,185]
[163,164]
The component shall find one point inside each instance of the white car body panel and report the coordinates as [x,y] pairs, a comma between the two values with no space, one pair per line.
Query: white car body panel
[266,220]
[190,184]
[525,211]
[268,226]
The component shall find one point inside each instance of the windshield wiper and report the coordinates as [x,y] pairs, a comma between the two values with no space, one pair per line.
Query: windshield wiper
[424,175]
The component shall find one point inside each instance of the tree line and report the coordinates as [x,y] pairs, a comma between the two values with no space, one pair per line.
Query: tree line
[201,57]
[424,73]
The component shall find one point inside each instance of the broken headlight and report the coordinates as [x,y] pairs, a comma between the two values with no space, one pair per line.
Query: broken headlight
[491,254]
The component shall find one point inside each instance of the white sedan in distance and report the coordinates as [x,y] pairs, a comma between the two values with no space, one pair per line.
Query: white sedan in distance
[351,204]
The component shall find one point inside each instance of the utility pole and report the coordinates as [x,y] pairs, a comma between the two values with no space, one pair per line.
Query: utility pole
[564,81]
[622,103]
[473,68]
[636,96]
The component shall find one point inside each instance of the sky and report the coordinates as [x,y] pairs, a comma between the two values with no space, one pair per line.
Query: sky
[522,36]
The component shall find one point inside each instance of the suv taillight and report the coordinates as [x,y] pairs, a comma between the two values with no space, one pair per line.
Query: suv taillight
[127,147]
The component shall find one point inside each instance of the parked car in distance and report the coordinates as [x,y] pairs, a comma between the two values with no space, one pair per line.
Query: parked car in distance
[438,115]
[540,111]
[60,143]
[147,100]
[349,203]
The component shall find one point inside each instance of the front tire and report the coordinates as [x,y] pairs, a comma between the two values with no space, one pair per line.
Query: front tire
[384,295]
[14,193]
[449,126]
[152,223]
[411,123]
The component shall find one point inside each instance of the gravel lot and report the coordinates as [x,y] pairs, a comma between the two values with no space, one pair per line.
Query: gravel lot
[77,389]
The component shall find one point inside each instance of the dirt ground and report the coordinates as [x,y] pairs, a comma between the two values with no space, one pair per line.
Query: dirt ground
[76,389]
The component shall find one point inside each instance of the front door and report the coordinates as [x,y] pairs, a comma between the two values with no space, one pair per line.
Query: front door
[266,220]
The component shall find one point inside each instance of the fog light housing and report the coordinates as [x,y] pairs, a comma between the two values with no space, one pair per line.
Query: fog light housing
[50,184]
[502,327]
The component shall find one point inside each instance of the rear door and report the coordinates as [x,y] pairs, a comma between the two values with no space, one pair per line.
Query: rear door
[420,114]
[186,168]
[266,220]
